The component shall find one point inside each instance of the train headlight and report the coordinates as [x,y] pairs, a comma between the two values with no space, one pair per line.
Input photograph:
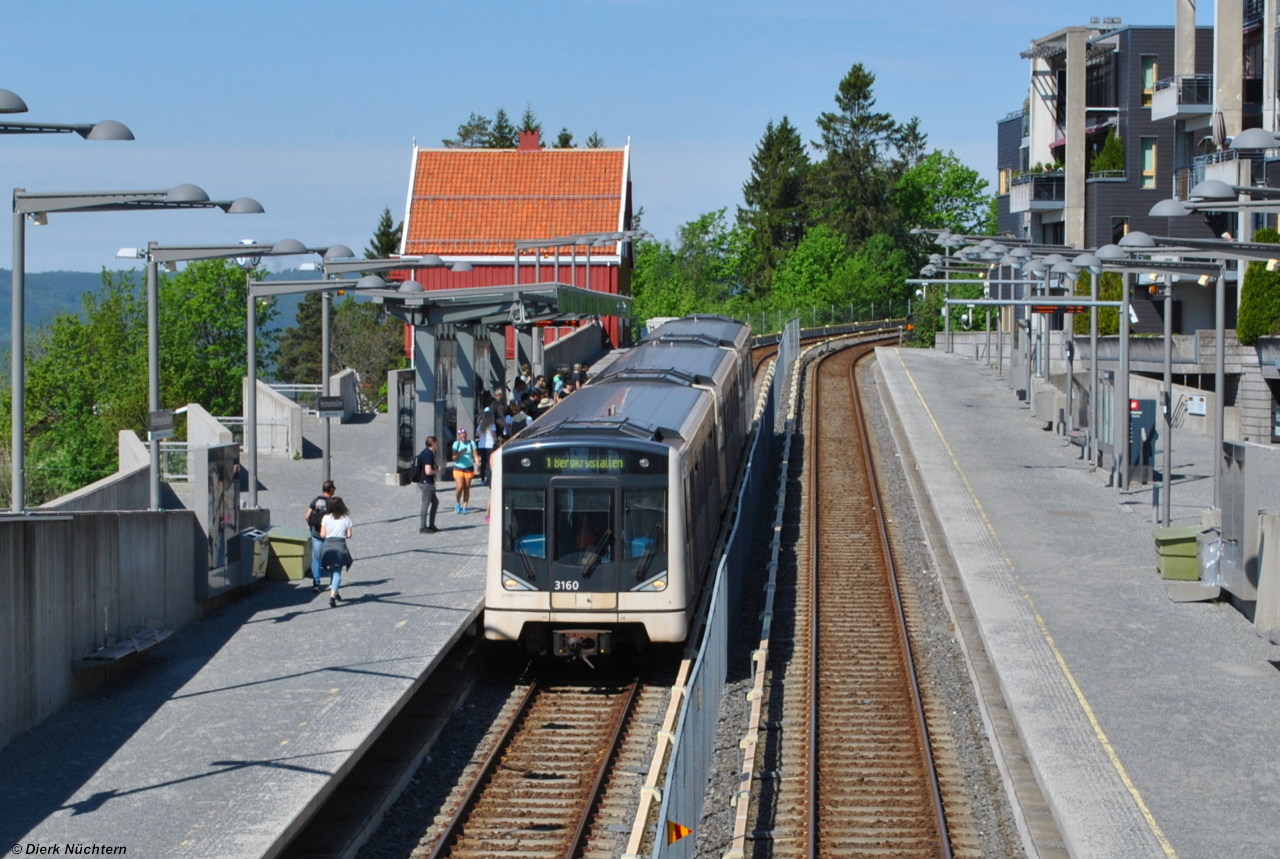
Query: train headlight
[657,583]
[512,582]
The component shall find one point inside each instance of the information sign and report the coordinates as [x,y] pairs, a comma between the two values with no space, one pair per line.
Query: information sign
[329,407]
[160,425]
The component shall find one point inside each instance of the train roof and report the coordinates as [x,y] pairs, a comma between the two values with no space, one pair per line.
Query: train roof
[675,361]
[712,328]
[641,411]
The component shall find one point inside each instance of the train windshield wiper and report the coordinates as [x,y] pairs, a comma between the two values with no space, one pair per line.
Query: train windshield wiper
[593,560]
[650,552]
[522,552]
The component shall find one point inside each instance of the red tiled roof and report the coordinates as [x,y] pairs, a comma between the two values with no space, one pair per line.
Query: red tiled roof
[481,201]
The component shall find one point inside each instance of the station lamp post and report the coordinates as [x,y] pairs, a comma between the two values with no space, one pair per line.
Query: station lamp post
[107,129]
[38,207]
[169,256]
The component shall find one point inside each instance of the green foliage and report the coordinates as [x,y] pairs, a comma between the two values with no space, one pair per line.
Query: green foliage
[298,355]
[816,273]
[1110,288]
[386,238]
[529,122]
[595,141]
[1260,298]
[203,350]
[928,311]
[87,372]
[1111,156]
[472,134]
[368,341]
[564,140]
[502,134]
[701,273]
[940,192]
[776,211]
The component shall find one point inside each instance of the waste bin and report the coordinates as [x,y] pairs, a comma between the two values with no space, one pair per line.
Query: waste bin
[255,547]
[290,554]
[1176,555]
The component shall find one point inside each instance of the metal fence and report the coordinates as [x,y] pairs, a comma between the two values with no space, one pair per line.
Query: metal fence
[307,396]
[686,778]
[273,433]
[788,349]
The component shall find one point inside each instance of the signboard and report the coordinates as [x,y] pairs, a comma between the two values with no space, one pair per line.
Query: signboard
[1057,308]
[1197,405]
[160,425]
[329,407]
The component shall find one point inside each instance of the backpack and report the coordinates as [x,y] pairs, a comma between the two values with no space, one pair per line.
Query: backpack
[319,508]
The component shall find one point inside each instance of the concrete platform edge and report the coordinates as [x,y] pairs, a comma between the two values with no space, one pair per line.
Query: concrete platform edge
[321,796]
[1097,814]
[1037,827]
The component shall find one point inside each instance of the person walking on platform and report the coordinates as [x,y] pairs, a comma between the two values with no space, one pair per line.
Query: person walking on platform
[335,530]
[486,440]
[425,470]
[313,517]
[464,464]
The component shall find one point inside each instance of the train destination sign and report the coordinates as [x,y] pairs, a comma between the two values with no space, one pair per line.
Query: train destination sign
[584,460]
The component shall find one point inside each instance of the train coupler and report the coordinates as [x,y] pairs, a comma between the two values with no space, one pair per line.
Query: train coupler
[584,644]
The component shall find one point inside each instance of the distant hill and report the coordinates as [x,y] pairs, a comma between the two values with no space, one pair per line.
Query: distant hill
[52,292]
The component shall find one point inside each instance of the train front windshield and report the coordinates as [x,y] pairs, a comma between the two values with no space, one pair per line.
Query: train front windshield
[585,519]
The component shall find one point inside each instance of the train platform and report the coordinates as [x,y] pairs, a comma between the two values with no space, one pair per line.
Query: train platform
[1150,725]
[229,736]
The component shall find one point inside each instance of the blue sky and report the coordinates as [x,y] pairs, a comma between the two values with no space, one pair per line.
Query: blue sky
[311,107]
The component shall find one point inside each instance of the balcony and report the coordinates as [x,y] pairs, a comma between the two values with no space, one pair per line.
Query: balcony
[1038,192]
[1182,97]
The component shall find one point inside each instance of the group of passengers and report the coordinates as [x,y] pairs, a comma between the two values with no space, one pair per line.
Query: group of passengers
[500,418]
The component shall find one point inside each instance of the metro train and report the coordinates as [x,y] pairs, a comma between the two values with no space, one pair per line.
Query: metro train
[607,508]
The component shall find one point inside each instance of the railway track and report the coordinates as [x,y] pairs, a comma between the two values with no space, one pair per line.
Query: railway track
[871,782]
[537,793]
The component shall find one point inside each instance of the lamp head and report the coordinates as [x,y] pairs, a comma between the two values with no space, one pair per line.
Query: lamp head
[1253,138]
[1111,252]
[11,102]
[461,266]
[411,286]
[288,246]
[245,206]
[371,281]
[186,194]
[1169,209]
[338,252]
[1212,189]
[1137,239]
[108,129]
[432,261]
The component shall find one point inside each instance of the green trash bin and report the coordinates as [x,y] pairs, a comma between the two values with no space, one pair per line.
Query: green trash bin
[1176,556]
[290,558]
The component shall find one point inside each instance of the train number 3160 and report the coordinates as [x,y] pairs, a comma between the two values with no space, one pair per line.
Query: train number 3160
[566,586]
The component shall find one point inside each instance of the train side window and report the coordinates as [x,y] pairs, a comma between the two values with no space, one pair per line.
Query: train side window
[644,520]
[524,522]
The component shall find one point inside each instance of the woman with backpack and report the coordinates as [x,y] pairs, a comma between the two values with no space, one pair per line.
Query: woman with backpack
[464,466]
[335,531]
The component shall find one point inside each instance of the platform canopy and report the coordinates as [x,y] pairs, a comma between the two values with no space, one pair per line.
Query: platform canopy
[526,304]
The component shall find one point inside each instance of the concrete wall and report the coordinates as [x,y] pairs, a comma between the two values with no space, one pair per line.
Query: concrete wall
[127,489]
[581,347]
[204,428]
[345,385]
[279,421]
[66,583]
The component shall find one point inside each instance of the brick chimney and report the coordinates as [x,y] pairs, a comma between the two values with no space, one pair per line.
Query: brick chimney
[529,141]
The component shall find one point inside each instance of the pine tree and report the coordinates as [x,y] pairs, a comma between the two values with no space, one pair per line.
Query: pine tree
[853,184]
[529,122]
[1260,298]
[502,134]
[595,141]
[298,357]
[775,211]
[564,140]
[1111,156]
[472,134]
[386,238]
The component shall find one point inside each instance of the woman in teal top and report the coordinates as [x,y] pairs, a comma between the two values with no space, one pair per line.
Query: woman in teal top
[464,467]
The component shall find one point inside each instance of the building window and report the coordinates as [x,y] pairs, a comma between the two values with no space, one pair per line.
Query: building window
[1119,228]
[1149,72]
[1148,162]
[1006,180]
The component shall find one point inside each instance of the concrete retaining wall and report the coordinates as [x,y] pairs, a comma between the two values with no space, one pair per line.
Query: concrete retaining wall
[581,347]
[345,385]
[279,421]
[204,429]
[67,583]
[127,489]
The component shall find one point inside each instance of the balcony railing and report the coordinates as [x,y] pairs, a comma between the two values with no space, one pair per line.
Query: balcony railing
[1253,9]
[1192,89]
[1108,175]
[1038,191]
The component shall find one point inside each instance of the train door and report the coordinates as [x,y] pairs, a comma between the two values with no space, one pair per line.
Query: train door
[584,534]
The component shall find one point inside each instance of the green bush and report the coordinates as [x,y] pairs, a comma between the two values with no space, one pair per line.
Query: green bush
[1111,288]
[1260,299]
[1111,156]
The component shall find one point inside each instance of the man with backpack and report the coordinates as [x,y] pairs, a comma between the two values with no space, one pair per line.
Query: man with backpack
[314,516]
[425,476]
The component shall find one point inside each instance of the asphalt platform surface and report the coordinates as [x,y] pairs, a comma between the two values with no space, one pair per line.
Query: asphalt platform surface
[1151,725]
[227,735]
